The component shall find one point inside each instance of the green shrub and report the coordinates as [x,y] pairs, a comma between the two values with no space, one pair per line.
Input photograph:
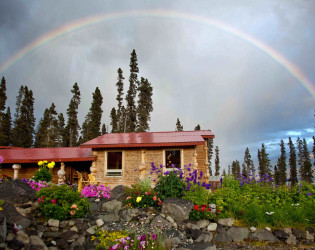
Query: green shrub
[43,174]
[197,194]
[201,212]
[61,202]
[170,186]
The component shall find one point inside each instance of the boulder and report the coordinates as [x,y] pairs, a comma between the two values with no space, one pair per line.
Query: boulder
[202,223]
[212,227]
[299,234]
[160,222]
[263,235]
[16,191]
[291,240]
[3,227]
[118,193]
[238,234]
[14,217]
[222,235]
[109,217]
[228,222]
[128,214]
[178,209]
[281,234]
[36,241]
[112,206]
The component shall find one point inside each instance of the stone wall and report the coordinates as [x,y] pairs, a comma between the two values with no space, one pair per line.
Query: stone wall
[132,159]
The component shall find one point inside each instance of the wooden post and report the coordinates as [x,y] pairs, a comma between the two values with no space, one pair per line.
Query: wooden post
[16,168]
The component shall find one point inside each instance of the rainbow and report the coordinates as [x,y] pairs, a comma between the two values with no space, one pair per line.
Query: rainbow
[82,23]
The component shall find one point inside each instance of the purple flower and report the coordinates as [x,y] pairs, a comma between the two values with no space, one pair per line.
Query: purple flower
[201,174]
[143,238]
[167,172]
[153,236]
[309,194]
[189,168]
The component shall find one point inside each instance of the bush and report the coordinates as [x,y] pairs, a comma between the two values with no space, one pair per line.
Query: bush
[170,185]
[43,173]
[197,194]
[60,203]
[201,212]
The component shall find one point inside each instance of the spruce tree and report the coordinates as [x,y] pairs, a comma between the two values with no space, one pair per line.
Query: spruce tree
[236,168]
[113,117]
[48,131]
[119,98]
[263,160]
[244,170]
[73,126]
[229,169]
[6,138]
[179,126]
[282,166]
[92,124]
[306,169]
[131,110]
[249,164]
[292,163]
[3,98]
[104,129]
[276,176]
[62,136]
[145,105]
[197,128]
[300,160]
[223,173]
[217,161]
[23,131]
[210,153]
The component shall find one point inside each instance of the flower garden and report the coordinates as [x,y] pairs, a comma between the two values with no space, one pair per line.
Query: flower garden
[252,201]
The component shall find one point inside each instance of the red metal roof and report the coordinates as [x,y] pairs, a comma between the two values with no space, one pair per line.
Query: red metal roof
[149,139]
[33,155]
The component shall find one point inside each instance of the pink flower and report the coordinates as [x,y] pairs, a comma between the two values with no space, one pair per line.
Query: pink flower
[38,199]
[53,201]
[72,212]
[74,206]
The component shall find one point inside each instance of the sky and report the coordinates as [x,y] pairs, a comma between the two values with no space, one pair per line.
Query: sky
[243,69]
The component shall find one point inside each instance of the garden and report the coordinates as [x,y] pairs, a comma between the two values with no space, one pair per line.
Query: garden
[251,201]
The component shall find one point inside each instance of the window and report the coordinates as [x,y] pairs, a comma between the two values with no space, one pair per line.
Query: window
[114,164]
[172,157]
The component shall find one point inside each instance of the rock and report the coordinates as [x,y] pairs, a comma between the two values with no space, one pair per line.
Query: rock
[74,228]
[268,229]
[63,223]
[10,236]
[299,234]
[53,223]
[238,234]
[204,237]
[118,193]
[200,246]
[178,209]
[61,243]
[169,243]
[109,217]
[51,235]
[112,206]
[170,219]
[91,230]
[15,244]
[291,240]
[23,237]
[69,235]
[3,227]
[221,235]
[36,241]
[309,236]
[202,223]
[16,191]
[263,235]
[159,222]
[128,214]
[14,217]
[99,222]
[310,230]
[228,222]
[281,234]
[253,229]
[212,227]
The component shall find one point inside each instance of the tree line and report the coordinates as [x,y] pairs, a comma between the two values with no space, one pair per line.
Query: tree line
[299,156]
[53,130]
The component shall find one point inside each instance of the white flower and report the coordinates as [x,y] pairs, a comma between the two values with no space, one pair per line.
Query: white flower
[270,213]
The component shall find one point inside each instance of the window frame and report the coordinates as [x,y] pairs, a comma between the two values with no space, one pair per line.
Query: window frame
[114,170]
[181,158]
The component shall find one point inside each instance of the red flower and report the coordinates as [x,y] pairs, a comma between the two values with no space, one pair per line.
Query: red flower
[137,192]
[209,209]
[203,209]
[149,192]
[196,207]
[154,198]
[160,202]
[43,197]
[218,211]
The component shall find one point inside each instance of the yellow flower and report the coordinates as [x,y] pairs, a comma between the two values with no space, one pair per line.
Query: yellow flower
[40,163]
[1,208]
[51,165]
[45,161]
[138,199]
